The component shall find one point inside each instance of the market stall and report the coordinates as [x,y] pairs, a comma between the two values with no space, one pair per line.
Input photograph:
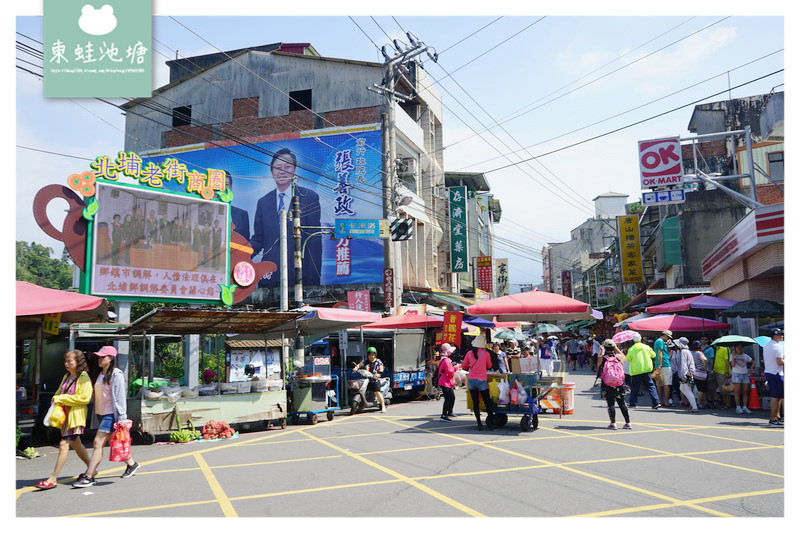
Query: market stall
[260,396]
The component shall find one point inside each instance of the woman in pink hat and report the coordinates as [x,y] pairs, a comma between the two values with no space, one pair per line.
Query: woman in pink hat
[446,383]
[109,406]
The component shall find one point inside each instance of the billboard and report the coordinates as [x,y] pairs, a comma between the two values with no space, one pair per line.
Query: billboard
[660,163]
[334,175]
[147,243]
[484,272]
[458,229]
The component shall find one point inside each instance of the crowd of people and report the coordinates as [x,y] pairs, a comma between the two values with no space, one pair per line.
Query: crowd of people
[134,230]
[671,371]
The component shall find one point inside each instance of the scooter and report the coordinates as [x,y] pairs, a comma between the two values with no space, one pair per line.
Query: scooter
[361,398]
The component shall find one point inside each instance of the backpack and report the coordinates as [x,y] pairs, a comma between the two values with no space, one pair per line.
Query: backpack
[613,373]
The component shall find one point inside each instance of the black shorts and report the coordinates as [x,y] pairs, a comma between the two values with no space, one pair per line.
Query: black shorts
[701,384]
[374,385]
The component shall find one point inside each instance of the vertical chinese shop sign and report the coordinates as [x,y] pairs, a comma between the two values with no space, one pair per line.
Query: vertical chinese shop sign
[451,328]
[485,275]
[630,249]
[458,229]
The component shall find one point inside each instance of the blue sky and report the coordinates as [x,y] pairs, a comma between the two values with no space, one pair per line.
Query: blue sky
[551,83]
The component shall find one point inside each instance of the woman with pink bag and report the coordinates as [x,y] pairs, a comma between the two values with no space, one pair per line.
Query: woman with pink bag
[110,408]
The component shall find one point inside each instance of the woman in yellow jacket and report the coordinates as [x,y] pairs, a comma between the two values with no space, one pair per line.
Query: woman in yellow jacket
[74,395]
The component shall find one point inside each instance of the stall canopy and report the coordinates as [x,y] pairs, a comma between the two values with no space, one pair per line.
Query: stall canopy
[321,320]
[34,301]
[208,321]
[676,323]
[479,322]
[703,301]
[534,306]
[406,321]
[755,308]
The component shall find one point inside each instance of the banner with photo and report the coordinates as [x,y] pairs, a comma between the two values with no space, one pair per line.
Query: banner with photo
[338,176]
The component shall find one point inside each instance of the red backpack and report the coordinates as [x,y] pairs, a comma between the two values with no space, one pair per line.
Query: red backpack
[613,373]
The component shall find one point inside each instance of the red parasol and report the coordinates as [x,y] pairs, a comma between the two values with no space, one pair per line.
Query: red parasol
[532,306]
[677,323]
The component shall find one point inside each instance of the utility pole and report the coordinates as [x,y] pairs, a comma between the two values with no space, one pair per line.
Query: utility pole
[299,344]
[395,68]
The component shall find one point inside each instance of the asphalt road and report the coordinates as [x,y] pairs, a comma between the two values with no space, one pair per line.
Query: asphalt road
[408,463]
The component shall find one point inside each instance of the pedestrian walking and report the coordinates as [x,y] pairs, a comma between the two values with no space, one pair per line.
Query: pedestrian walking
[546,352]
[477,383]
[663,368]
[700,374]
[740,376]
[685,369]
[110,407]
[773,371]
[446,380]
[721,373]
[612,375]
[641,358]
[74,394]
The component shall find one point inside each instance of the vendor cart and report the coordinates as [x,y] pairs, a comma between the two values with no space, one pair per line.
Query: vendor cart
[238,402]
[543,393]
[311,396]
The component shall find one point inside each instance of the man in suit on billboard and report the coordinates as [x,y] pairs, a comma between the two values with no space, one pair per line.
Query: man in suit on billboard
[266,234]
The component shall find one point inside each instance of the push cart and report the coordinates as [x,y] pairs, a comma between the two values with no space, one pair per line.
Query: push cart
[540,392]
[311,397]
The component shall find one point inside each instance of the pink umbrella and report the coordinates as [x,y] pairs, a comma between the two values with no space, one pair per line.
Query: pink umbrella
[406,321]
[677,323]
[703,301]
[623,336]
[533,306]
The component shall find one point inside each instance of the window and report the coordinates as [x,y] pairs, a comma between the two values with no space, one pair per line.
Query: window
[182,116]
[299,100]
[775,162]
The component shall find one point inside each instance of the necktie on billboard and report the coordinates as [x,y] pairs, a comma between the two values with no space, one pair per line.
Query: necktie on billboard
[280,201]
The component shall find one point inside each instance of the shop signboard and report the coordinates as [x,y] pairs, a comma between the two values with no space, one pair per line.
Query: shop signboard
[566,283]
[630,249]
[673,196]
[51,323]
[483,266]
[604,292]
[502,277]
[451,327]
[660,163]
[334,173]
[388,289]
[358,300]
[458,229]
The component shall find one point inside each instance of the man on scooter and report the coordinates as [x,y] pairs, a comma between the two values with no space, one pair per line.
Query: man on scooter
[374,365]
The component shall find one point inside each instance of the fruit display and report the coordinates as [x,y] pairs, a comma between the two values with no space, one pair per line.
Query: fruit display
[217,430]
[183,435]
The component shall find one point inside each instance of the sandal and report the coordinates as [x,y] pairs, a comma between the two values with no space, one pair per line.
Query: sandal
[46,485]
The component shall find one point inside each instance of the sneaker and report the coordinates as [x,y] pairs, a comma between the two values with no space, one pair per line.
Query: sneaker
[774,422]
[780,421]
[746,410]
[130,470]
[612,426]
[739,410]
[451,415]
[84,481]
[657,406]
[444,417]
[627,426]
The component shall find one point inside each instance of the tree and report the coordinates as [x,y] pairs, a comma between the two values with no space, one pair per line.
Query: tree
[35,264]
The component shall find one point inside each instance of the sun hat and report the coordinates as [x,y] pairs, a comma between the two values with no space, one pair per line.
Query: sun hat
[696,344]
[106,350]
[667,332]
[608,343]
[447,349]
[479,342]
[682,343]
[636,337]
[777,332]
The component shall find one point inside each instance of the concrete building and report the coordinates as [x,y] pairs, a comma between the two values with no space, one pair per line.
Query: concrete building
[284,91]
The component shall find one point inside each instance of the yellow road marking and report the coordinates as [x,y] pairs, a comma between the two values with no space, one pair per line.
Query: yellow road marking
[439,496]
[216,488]
[585,474]
[709,499]
[724,438]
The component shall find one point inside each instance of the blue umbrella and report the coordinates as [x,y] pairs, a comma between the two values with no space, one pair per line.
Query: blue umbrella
[480,322]
[763,340]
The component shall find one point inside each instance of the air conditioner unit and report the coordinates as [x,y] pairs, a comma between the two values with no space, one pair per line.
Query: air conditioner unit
[407,167]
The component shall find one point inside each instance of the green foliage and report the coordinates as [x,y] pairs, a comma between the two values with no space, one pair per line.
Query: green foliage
[635,207]
[618,301]
[35,264]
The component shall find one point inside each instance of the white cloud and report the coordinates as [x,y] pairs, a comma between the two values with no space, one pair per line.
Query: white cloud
[97,21]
